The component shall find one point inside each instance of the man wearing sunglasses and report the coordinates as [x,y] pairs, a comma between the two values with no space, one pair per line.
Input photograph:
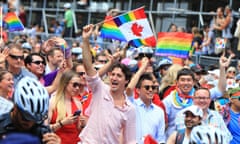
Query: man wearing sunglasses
[153,124]
[15,63]
[29,112]
[35,63]
[234,124]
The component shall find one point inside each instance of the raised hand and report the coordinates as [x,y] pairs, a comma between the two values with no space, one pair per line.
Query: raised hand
[87,31]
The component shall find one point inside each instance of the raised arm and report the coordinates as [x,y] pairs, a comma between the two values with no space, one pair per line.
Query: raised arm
[87,57]
[136,77]
[223,64]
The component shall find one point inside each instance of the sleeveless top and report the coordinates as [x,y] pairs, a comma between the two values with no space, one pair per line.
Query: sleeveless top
[69,134]
[226,33]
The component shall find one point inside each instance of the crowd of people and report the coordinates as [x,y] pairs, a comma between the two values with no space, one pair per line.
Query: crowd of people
[53,92]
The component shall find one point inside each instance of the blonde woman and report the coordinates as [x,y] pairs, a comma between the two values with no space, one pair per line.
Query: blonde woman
[63,105]
[168,81]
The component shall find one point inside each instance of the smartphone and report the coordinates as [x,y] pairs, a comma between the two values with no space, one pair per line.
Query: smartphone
[77,113]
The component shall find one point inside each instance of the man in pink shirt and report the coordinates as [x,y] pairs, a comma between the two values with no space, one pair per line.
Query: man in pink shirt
[112,116]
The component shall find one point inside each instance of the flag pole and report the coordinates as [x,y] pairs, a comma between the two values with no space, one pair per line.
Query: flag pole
[151,22]
[101,22]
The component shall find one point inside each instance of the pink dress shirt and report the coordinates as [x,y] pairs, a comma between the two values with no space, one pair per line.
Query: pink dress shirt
[108,124]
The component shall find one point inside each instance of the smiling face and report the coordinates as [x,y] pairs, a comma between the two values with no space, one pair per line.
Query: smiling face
[72,88]
[202,99]
[117,80]
[185,83]
[6,83]
[37,66]
[146,91]
[191,120]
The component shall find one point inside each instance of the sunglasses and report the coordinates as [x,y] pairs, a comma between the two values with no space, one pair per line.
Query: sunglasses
[141,55]
[102,61]
[147,87]
[39,62]
[231,72]
[16,57]
[75,85]
[236,97]
[81,73]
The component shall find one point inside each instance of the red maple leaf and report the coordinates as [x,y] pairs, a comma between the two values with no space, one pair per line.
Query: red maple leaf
[137,29]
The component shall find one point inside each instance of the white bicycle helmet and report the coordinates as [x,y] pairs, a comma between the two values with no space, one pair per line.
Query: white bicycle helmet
[206,134]
[32,99]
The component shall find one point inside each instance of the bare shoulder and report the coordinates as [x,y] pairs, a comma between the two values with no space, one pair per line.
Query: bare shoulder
[172,138]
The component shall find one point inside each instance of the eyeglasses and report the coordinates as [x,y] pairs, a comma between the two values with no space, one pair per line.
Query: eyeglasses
[202,98]
[81,73]
[39,62]
[236,97]
[147,87]
[76,84]
[102,61]
[16,57]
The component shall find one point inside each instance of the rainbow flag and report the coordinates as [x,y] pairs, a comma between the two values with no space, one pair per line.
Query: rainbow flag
[132,27]
[177,44]
[13,22]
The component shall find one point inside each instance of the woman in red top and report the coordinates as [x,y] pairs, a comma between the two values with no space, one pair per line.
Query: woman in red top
[62,107]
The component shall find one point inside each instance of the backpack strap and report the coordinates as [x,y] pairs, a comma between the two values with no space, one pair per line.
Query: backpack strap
[180,136]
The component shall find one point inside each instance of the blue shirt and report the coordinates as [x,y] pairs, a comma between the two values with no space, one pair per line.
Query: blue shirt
[234,127]
[150,121]
[23,72]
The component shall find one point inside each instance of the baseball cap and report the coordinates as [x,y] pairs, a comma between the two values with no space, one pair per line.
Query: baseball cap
[233,91]
[195,110]
[26,45]
[67,5]
[77,50]
[144,52]
[164,62]
[198,69]
[215,72]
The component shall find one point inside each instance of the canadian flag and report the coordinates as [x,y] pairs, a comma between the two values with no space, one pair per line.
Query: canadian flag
[132,27]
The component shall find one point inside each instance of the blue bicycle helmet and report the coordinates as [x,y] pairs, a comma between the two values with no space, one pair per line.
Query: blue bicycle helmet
[32,99]
[206,134]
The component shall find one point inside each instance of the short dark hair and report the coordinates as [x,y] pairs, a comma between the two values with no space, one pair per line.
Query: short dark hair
[29,58]
[124,69]
[203,88]
[185,71]
[145,76]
